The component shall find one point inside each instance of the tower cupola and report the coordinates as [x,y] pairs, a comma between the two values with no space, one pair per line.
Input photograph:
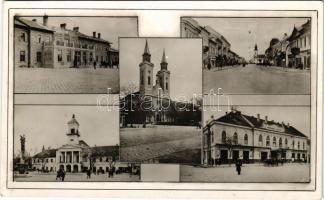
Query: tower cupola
[146,55]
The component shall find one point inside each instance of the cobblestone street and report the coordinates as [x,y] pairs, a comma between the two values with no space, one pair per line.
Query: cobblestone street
[51,177]
[296,172]
[40,80]
[254,79]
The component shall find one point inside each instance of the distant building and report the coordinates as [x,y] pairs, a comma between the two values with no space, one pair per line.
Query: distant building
[239,136]
[42,46]
[152,103]
[216,48]
[76,155]
[258,59]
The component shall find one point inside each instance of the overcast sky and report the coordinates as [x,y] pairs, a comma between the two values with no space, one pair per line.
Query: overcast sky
[299,117]
[110,27]
[244,33]
[184,59]
[47,125]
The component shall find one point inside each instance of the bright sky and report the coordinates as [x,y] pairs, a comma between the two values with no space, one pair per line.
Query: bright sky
[47,125]
[110,27]
[244,33]
[184,57]
[298,116]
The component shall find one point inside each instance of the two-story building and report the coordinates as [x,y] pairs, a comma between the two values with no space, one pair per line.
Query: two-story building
[239,136]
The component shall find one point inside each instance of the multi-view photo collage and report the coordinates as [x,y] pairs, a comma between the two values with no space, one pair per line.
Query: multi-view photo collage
[227,100]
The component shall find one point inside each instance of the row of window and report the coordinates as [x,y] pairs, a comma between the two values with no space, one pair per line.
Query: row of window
[22,56]
[234,140]
[46,160]
[40,39]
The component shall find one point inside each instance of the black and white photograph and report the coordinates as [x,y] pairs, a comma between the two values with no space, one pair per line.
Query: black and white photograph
[260,55]
[160,117]
[54,54]
[253,144]
[68,144]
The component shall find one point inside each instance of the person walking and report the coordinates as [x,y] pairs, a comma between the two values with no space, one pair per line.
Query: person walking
[94,64]
[88,174]
[238,166]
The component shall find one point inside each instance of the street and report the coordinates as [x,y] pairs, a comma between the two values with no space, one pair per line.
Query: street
[295,172]
[70,177]
[256,79]
[141,144]
[42,80]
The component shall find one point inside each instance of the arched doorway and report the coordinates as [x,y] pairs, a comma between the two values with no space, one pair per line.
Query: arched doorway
[68,168]
[75,168]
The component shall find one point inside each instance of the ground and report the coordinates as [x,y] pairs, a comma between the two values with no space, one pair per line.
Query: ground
[141,144]
[257,79]
[42,177]
[41,80]
[295,172]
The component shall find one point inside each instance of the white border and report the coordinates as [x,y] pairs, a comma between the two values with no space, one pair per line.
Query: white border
[147,20]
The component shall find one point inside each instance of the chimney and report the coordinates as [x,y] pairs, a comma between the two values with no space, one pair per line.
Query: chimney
[76,29]
[258,116]
[63,26]
[45,20]
[266,119]
[34,20]
[99,34]
[94,34]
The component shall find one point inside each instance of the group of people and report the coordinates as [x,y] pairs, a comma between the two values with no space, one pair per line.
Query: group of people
[111,172]
[60,174]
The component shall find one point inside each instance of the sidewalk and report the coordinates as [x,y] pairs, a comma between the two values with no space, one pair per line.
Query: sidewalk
[222,68]
[285,69]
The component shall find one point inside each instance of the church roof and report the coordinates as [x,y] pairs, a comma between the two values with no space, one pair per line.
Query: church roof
[146,49]
[48,153]
[164,60]
[73,120]
[237,118]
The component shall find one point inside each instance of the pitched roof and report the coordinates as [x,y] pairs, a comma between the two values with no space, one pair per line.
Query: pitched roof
[87,37]
[237,118]
[105,151]
[48,153]
[73,120]
[32,24]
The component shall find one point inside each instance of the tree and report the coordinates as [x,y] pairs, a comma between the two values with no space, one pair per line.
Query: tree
[128,89]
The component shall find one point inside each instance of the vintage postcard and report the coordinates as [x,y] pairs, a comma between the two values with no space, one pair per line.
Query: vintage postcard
[162,99]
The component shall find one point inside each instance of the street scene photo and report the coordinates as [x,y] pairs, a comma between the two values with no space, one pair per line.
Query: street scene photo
[253,55]
[68,143]
[160,115]
[253,144]
[69,54]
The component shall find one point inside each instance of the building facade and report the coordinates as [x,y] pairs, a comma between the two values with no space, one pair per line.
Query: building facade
[39,45]
[251,139]
[292,51]
[152,104]
[216,49]
[76,155]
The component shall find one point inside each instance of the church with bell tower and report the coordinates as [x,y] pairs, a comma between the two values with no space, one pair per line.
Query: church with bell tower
[162,83]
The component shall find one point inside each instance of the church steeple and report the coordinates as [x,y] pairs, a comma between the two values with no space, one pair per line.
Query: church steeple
[146,55]
[164,63]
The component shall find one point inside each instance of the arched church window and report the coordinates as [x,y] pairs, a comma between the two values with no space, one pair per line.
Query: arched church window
[149,80]
[167,86]
[286,142]
[72,130]
[142,79]
[280,142]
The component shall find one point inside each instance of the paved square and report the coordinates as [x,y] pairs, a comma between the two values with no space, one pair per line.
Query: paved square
[142,144]
[289,172]
[41,80]
[256,79]
[73,177]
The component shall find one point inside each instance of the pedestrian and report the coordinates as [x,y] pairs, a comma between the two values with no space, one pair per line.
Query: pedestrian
[58,174]
[94,64]
[238,166]
[88,174]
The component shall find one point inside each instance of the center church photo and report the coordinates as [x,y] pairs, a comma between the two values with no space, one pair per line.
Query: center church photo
[160,100]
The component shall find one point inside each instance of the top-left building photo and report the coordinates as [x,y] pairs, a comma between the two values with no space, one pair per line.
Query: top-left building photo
[55,54]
